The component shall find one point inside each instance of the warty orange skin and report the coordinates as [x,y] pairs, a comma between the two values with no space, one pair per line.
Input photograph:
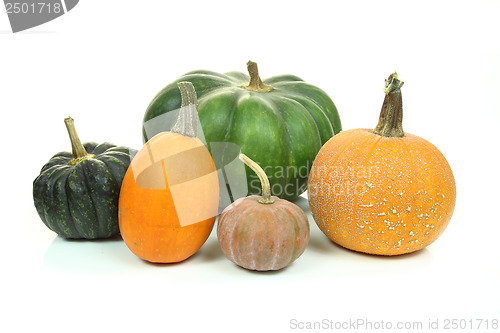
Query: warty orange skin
[381,195]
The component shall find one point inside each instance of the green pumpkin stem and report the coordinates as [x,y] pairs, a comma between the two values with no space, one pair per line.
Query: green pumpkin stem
[264,181]
[390,123]
[79,152]
[187,121]
[255,83]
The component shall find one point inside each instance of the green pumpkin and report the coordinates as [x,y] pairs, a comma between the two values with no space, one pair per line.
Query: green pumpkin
[76,194]
[280,123]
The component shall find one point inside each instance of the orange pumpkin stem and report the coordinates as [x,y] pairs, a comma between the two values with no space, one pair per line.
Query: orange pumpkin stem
[187,121]
[390,123]
[264,181]
[79,152]
[256,83]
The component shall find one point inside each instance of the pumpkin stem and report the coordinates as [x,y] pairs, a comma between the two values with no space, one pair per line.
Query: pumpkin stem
[79,152]
[255,83]
[264,181]
[390,123]
[187,121]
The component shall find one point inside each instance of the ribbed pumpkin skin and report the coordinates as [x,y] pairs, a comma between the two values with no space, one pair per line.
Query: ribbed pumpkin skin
[282,129]
[381,195]
[150,220]
[81,201]
[262,237]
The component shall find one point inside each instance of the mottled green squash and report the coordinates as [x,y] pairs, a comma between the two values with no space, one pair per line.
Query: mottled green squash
[76,194]
[281,122]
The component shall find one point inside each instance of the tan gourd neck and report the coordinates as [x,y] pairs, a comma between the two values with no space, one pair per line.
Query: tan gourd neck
[255,83]
[390,123]
[264,181]
[79,152]
[187,121]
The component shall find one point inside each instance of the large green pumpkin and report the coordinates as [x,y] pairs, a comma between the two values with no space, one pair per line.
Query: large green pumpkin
[76,194]
[280,123]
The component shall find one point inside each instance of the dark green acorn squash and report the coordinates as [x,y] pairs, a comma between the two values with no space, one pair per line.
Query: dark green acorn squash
[280,123]
[76,194]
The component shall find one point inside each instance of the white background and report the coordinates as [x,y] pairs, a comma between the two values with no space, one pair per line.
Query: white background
[104,61]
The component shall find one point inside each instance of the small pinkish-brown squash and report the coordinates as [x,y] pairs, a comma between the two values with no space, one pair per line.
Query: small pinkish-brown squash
[262,233]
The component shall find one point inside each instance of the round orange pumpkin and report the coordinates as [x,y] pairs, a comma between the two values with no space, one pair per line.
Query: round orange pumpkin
[262,232]
[382,191]
[170,193]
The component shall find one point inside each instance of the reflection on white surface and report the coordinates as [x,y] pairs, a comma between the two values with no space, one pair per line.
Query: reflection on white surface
[112,257]
[104,256]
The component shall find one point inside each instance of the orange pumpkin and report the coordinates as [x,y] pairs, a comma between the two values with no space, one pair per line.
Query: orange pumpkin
[262,232]
[170,193]
[382,191]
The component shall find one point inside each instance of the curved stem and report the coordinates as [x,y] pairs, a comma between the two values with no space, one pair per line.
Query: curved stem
[187,121]
[79,152]
[390,123]
[255,83]
[264,181]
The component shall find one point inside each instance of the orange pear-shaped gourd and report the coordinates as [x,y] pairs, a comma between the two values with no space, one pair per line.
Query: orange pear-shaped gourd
[170,194]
